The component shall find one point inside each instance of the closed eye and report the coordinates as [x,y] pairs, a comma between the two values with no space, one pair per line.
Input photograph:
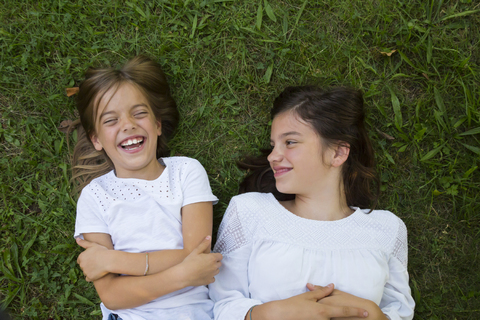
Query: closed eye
[110,121]
[141,114]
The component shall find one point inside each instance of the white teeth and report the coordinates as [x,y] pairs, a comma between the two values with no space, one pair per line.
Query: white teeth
[129,142]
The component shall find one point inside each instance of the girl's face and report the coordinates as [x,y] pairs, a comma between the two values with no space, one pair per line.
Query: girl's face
[127,130]
[298,155]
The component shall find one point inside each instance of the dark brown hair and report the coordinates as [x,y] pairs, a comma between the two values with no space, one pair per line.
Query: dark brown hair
[337,115]
[147,76]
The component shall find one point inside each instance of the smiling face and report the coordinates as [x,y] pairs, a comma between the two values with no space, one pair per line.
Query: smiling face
[298,155]
[127,130]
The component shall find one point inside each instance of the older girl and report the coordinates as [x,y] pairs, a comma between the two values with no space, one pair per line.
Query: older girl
[322,165]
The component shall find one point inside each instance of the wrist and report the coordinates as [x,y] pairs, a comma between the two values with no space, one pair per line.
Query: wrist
[109,262]
[266,311]
[180,274]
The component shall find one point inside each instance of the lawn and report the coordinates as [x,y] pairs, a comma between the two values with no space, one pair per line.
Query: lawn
[418,63]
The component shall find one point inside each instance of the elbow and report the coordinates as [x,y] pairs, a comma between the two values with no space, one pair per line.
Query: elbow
[109,301]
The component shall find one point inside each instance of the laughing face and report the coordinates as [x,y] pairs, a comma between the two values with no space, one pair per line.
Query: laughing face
[127,130]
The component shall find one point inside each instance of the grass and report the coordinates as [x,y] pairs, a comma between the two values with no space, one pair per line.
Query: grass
[226,62]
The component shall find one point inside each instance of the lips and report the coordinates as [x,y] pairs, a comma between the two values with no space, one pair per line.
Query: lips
[280,171]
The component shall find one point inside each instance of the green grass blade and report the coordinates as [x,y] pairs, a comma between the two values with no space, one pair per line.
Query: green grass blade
[268,73]
[10,296]
[258,24]
[472,148]
[285,24]
[429,49]
[396,109]
[430,154]
[270,13]
[439,101]
[14,255]
[461,14]
[300,12]
[406,59]
[84,300]
[194,27]
[470,132]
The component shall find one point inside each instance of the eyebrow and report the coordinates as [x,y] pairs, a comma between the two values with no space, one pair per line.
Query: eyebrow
[113,111]
[289,133]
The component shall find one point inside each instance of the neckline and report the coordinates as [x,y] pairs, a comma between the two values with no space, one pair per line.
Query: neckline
[160,160]
[290,215]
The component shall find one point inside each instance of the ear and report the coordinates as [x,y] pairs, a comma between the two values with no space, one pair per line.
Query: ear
[342,150]
[96,143]
[159,127]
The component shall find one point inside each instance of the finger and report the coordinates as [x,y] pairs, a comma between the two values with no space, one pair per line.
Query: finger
[345,312]
[84,243]
[203,245]
[218,256]
[313,287]
[319,292]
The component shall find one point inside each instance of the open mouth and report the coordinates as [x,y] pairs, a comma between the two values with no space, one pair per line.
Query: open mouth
[132,144]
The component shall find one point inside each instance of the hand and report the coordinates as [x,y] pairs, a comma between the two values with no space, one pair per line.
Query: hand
[339,298]
[305,307]
[92,260]
[199,268]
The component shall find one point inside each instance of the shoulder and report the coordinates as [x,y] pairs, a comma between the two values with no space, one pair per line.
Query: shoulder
[387,220]
[390,230]
[250,208]
[179,161]
[182,164]
[253,200]
[97,185]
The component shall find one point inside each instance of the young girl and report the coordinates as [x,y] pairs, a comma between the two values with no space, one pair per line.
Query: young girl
[322,165]
[155,214]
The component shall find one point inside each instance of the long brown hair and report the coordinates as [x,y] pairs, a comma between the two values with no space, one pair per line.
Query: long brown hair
[147,76]
[337,115]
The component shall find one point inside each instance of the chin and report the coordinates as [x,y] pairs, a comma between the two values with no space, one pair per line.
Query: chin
[284,189]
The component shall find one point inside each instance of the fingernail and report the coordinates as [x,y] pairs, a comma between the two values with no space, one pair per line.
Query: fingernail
[330,285]
[365,314]
[208,238]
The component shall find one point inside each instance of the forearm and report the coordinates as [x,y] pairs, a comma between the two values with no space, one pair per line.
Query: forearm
[124,292]
[134,264]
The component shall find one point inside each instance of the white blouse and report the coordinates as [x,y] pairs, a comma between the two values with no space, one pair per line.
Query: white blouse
[271,254]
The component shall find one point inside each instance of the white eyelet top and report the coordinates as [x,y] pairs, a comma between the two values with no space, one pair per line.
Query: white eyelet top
[271,254]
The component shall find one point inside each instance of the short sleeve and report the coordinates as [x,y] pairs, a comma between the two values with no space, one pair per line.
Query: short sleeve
[230,291]
[195,185]
[89,215]
[397,302]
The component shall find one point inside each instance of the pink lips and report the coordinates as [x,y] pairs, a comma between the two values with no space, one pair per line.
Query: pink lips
[280,171]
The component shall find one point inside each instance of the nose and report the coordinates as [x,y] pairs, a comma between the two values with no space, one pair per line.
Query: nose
[275,155]
[128,124]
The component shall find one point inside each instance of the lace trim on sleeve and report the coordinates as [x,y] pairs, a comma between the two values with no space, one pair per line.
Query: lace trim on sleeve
[400,248]
[231,235]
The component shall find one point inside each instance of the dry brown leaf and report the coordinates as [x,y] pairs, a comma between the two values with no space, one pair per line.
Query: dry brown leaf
[386,136]
[425,75]
[388,53]
[64,125]
[72,91]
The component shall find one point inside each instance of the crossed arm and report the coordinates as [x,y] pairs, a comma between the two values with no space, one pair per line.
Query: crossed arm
[169,270]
